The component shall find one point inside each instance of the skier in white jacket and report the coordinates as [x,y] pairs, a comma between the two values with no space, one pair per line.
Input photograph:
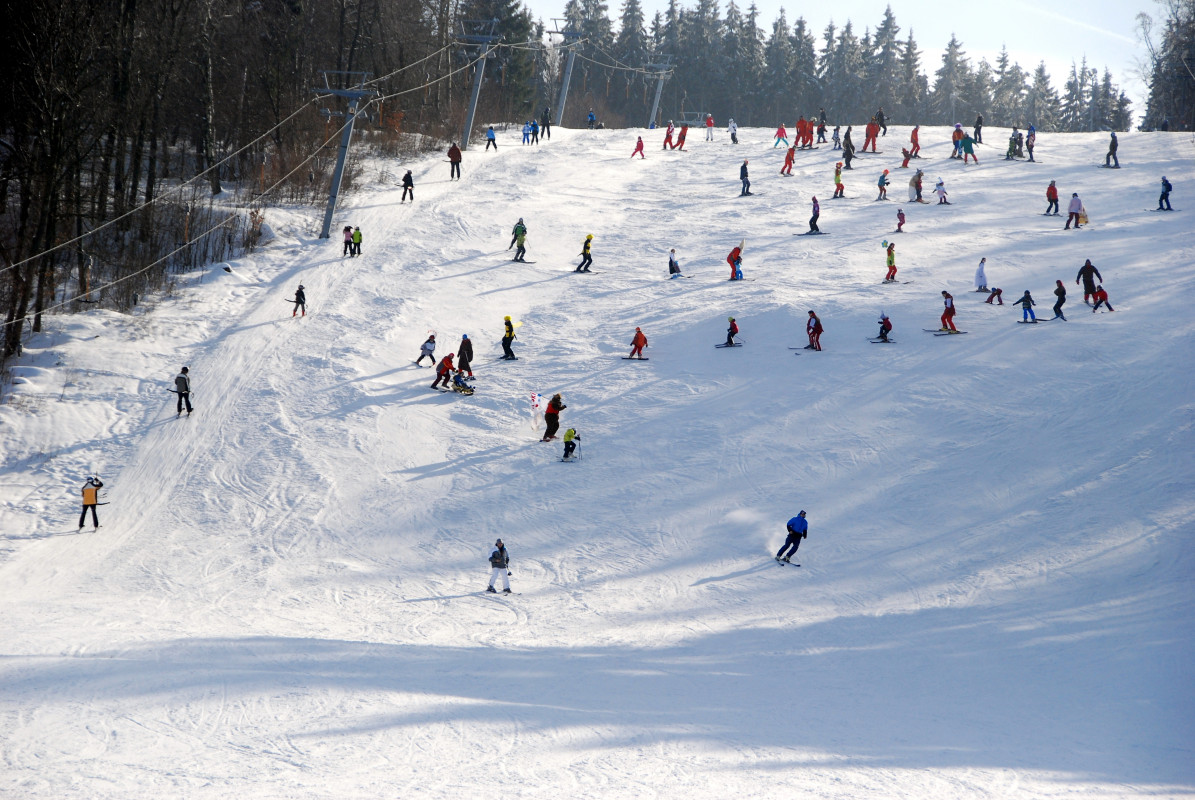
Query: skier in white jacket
[1073,211]
[981,278]
[733,129]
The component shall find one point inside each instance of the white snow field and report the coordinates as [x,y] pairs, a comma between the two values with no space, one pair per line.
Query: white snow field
[286,596]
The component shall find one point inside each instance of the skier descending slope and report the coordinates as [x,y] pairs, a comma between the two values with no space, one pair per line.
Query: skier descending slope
[891,276]
[1026,303]
[731,331]
[638,342]
[1060,293]
[885,328]
[586,255]
[552,417]
[817,212]
[798,529]
[948,312]
[746,192]
[499,567]
[838,187]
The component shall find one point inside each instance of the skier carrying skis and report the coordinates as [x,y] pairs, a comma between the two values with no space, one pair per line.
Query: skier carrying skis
[813,328]
[891,276]
[1051,199]
[444,372]
[981,278]
[838,187]
[408,188]
[673,265]
[789,155]
[1073,211]
[885,327]
[798,529]
[1111,157]
[509,336]
[817,212]
[1060,293]
[464,355]
[638,342]
[1026,303]
[91,499]
[1164,198]
[781,136]
[586,255]
[735,259]
[900,220]
[182,387]
[746,181]
[500,568]
[638,148]
[571,437]
[1101,299]
[1088,274]
[300,301]
[427,350]
[883,184]
[515,231]
[552,417]
[731,331]
[948,312]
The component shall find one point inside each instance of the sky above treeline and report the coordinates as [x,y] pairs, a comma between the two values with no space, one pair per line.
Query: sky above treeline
[1059,34]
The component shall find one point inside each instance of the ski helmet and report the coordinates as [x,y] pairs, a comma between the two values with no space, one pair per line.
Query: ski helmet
[464,336]
[590,236]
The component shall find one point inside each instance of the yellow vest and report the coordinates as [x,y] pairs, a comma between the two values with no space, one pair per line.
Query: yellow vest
[90,495]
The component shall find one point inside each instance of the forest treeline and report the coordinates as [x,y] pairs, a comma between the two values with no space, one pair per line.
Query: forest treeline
[141,138]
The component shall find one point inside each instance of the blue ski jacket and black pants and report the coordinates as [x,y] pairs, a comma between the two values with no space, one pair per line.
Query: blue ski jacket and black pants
[798,529]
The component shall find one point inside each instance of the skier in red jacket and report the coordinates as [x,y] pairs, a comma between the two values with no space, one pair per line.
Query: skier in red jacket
[948,311]
[639,148]
[638,342]
[731,332]
[1052,199]
[789,155]
[444,371]
[813,327]
[735,260]
[668,135]
[916,148]
[870,133]
[680,139]
[709,127]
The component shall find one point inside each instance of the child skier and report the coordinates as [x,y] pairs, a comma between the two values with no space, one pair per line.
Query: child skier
[906,155]
[781,136]
[733,130]
[348,241]
[817,212]
[638,148]
[731,332]
[735,260]
[948,312]
[357,239]
[837,139]
[427,350]
[680,140]
[638,342]
[1101,299]
[997,295]
[940,191]
[883,184]
[1026,303]
[791,153]
[885,327]
[968,146]
[586,255]
[838,187]
[571,437]
[813,328]
[1051,199]
[891,276]
[668,135]
[552,417]
[1060,293]
[1030,141]
[500,568]
[507,338]
[900,220]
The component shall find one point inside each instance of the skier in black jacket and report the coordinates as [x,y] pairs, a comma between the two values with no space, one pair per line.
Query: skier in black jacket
[464,355]
[300,301]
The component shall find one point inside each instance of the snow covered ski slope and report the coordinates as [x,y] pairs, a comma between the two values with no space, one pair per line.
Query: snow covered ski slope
[286,598]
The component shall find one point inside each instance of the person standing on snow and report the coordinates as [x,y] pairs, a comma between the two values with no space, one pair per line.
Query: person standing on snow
[357,239]
[521,245]
[427,350]
[668,135]
[591,120]
[527,132]
[798,529]
[638,342]
[1088,274]
[848,148]
[940,191]
[916,148]
[900,220]
[1060,293]
[491,139]
[499,568]
[735,260]
[948,311]
[883,184]
[813,329]
[1030,141]
[781,136]
[454,159]
[968,146]
[515,231]
[534,131]
[837,139]
[1111,157]
[869,135]
[182,387]
[789,155]
[673,265]
[1164,197]
[1051,199]
[746,181]
[545,122]
[638,148]
[915,186]
[1073,211]
[978,135]
[891,276]
[444,372]
[1026,303]
[838,187]
[552,417]
[733,130]
[680,139]
[408,188]
[885,327]
[300,301]
[817,212]
[91,499]
[571,437]
[997,295]
[732,330]
[956,139]
[709,127]
[509,336]
[348,241]
[586,255]
[882,121]
[981,277]
[464,356]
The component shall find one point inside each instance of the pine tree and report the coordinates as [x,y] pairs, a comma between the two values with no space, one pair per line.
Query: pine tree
[778,61]
[803,82]
[913,85]
[1041,103]
[1171,101]
[510,69]
[746,107]
[947,100]
[1008,95]
[884,68]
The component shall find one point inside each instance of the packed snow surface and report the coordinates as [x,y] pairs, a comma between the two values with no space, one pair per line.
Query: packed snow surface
[286,596]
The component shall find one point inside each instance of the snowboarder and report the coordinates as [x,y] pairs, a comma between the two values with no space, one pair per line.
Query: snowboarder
[464,355]
[746,181]
[900,220]
[1164,198]
[948,311]
[680,139]
[552,417]
[916,148]
[1026,303]
[348,241]
[1073,211]
[571,437]
[491,139]
[500,568]
[1060,293]
[781,136]
[638,342]
[357,240]
[427,350]
[1088,274]
[733,130]
[673,265]
[891,276]
[638,148]
[1030,141]
[444,371]
[735,260]
[1111,157]
[709,127]
[789,155]
[1051,199]
[586,255]
[885,327]
[1101,299]
[91,499]
[978,135]
[300,301]
[981,277]
[817,212]
[731,331]
[182,387]
[997,295]
[515,231]
[838,187]
[668,135]
[883,184]
[798,529]
[813,329]
[509,336]
[940,191]
[848,148]
[454,160]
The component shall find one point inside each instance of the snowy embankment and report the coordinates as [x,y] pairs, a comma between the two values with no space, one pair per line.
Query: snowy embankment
[283,600]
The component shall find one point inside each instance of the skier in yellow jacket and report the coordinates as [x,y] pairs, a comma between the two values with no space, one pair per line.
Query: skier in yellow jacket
[91,499]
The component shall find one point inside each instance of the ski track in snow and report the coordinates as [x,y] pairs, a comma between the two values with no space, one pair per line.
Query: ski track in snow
[286,596]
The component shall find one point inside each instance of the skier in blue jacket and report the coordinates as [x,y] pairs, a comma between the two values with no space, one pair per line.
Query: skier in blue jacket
[798,529]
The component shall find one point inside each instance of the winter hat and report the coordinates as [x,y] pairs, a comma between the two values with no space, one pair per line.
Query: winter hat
[731,319]
[590,236]
[885,172]
[1074,194]
[801,513]
[506,318]
[185,370]
[301,286]
[498,543]
[636,328]
[464,336]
